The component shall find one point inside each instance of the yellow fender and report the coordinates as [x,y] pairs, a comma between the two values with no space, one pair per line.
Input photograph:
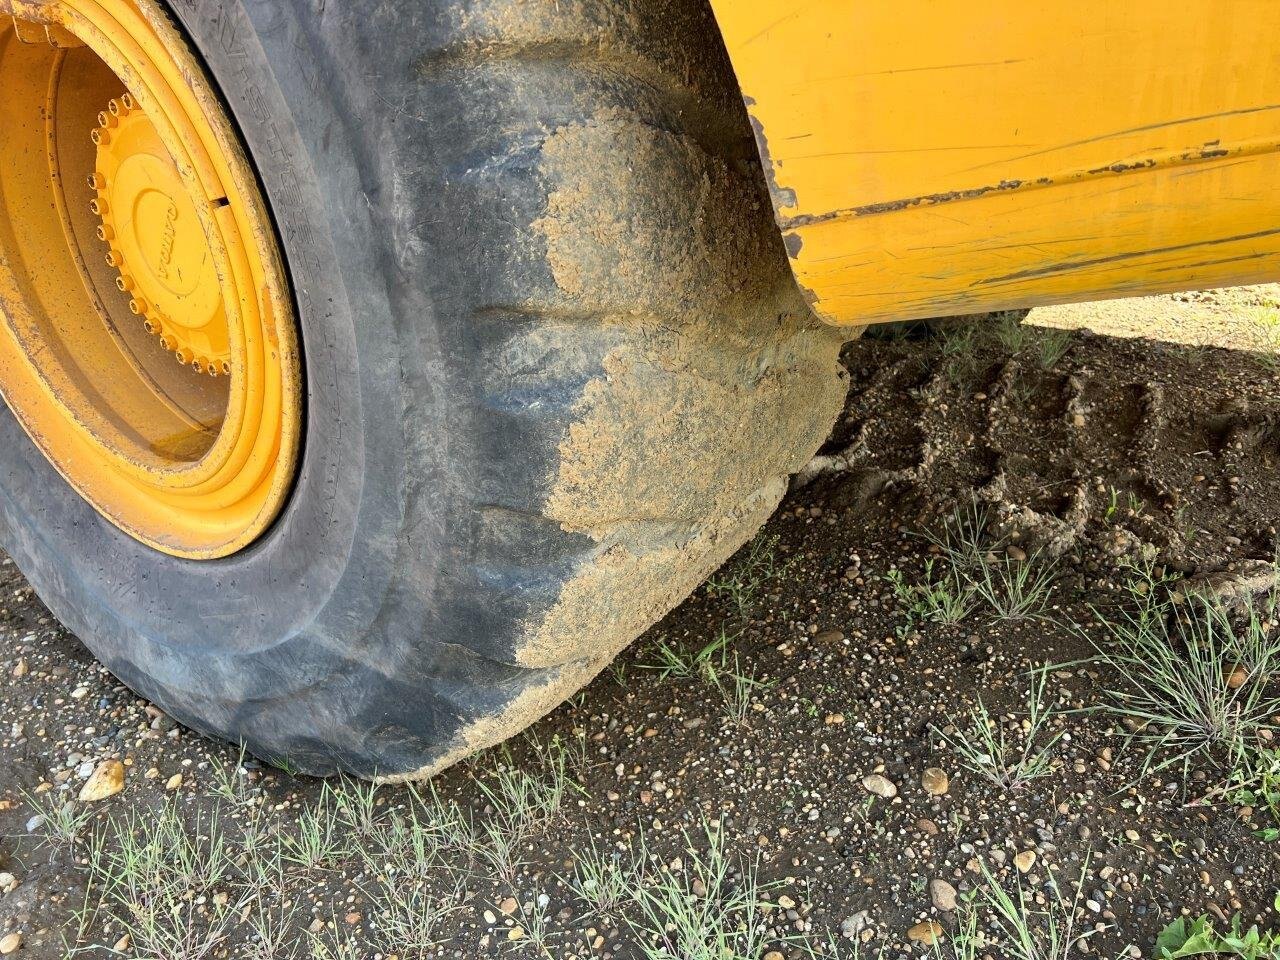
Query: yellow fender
[934,157]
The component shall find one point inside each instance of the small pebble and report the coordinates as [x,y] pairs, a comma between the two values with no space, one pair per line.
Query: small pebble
[880,785]
[935,781]
[942,894]
[927,932]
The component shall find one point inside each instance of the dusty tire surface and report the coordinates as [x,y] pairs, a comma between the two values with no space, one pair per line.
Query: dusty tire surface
[556,368]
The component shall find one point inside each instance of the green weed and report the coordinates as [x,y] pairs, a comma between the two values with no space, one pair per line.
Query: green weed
[742,579]
[985,746]
[1172,662]
[945,598]
[1200,937]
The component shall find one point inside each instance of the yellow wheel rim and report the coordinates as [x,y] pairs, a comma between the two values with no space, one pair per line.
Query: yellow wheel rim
[147,337]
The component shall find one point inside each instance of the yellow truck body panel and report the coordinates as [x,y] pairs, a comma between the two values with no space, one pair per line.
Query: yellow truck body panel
[936,157]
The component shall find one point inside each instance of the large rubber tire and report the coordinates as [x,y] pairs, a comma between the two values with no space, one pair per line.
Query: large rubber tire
[557,371]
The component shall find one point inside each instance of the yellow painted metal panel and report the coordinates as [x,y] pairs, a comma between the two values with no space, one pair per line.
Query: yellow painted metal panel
[930,157]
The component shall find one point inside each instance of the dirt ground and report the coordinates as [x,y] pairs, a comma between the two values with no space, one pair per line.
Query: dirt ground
[785,731]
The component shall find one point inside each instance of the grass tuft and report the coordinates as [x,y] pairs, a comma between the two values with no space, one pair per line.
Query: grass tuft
[62,822]
[1010,589]
[1010,761]
[171,887]
[1051,346]
[605,881]
[712,664]
[742,579]
[1192,681]
[703,912]
[945,598]
[959,354]
[684,663]
[1008,330]
[317,839]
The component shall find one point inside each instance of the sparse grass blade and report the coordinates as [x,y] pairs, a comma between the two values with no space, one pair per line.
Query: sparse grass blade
[703,912]
[1032,927]
[1176,683]
[738,689]
[986,747]
[742,579]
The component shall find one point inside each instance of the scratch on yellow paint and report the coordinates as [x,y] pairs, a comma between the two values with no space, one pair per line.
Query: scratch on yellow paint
[929,157]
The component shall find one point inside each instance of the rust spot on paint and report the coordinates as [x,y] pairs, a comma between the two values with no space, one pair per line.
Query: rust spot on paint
[889,206]
[1125,167]
[793,242]
[782,196]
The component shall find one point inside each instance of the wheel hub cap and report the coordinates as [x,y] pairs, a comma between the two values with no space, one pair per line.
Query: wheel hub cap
[157,244]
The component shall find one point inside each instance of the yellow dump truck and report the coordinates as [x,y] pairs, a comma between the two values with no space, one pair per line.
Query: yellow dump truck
[374,373]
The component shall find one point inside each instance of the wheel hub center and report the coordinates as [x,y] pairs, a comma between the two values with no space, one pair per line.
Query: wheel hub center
[157,241]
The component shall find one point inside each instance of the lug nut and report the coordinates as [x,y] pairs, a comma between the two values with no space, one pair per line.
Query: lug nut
[137,306]
[104,232]
[96,181]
